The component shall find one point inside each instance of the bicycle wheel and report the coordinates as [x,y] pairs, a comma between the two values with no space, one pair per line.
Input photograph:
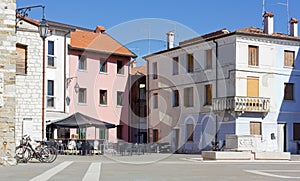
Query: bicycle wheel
[23,154]
[53,154]
[44,154]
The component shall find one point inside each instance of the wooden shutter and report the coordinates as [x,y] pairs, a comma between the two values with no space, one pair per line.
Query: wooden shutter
[288,91]
[208,59]
[190,132]
[255,128]
[208,93]
[21,59]
[289,57]
[155,135]
[190,63]
[253,55]
[252,87]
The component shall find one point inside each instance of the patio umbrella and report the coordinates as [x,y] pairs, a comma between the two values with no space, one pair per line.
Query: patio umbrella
[79,120]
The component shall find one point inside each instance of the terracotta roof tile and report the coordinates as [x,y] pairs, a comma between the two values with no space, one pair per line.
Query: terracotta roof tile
[139,70]
[258,31]
[101,42]
[29,20]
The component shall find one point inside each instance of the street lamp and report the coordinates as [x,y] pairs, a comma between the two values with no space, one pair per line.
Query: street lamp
[43,31]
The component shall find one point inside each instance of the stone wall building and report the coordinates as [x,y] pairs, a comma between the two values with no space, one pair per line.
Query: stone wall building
[7,78]
[28,119]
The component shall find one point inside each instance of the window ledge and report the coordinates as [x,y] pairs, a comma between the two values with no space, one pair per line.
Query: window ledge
[103,73]
[51,67]
[82,104]
[288,67]
[103,105]
[119,106]
[253,66]
[82,70]
[121,75]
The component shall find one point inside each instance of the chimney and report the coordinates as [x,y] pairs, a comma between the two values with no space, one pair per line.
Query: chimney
[170,39]
[294,27]
[99,29]
[268,23]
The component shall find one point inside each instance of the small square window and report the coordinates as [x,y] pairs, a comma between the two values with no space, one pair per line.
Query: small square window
[120,67]
[288,91]
[120,98]
[82,95]
[103,65]
[103,97]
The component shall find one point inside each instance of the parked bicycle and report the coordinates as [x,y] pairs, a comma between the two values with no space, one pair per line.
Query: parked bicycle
[28,150]
[217,146]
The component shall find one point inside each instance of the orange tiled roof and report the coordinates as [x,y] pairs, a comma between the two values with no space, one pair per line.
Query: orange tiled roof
[32,21]
[99,42]
[139,70]
[258,31]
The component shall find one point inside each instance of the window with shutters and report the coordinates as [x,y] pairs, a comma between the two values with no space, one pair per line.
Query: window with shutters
[175,65]
[208,94]
[252,86]
[288,91]
[21,64]
[190,63]
[175,98]
[253,55]
[189,97]
[289,57]
[155,135]
[296,131]
[209,59]
[255,128]
[190,132]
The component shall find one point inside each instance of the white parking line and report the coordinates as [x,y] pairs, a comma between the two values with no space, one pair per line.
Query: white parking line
[93,173]
[263,172]
[49,173]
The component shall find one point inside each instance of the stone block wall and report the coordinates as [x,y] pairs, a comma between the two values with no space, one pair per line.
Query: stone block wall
[7,78]
[29,86]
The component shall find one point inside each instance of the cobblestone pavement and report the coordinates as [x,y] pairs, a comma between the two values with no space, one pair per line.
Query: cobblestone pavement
[151,167]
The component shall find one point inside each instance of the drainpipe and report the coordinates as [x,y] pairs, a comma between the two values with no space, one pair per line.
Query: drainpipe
[65,68]
[217,56]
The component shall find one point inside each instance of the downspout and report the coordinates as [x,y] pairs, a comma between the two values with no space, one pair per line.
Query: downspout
[217,57]
[65,69]
[147,103]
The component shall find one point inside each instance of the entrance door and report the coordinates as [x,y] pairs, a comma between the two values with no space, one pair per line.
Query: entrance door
[175,140]
[281,137]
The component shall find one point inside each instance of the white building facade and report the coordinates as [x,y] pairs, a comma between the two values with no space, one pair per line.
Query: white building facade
[240,83]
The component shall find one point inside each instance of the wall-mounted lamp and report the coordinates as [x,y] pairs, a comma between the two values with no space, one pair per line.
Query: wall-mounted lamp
[22,13]
[76,87]
[69,80]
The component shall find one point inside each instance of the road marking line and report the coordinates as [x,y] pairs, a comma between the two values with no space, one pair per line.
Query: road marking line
[93,173]
[263,172]
[49,173]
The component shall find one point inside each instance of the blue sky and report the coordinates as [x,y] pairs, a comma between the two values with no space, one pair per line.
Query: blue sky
[151,19]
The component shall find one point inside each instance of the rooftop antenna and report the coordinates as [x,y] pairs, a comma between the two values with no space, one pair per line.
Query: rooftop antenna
[287,13]
[263,11]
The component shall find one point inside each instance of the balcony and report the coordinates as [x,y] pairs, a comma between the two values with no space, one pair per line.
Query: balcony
[242,104]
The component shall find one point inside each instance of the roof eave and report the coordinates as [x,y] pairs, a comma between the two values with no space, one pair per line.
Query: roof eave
[102,52]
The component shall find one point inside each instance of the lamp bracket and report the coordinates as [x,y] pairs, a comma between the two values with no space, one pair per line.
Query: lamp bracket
[23,12]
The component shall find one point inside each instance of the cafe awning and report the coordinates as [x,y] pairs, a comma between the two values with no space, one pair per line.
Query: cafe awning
[79,120]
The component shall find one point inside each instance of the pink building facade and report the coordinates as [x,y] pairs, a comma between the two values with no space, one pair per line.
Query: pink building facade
[99,82]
